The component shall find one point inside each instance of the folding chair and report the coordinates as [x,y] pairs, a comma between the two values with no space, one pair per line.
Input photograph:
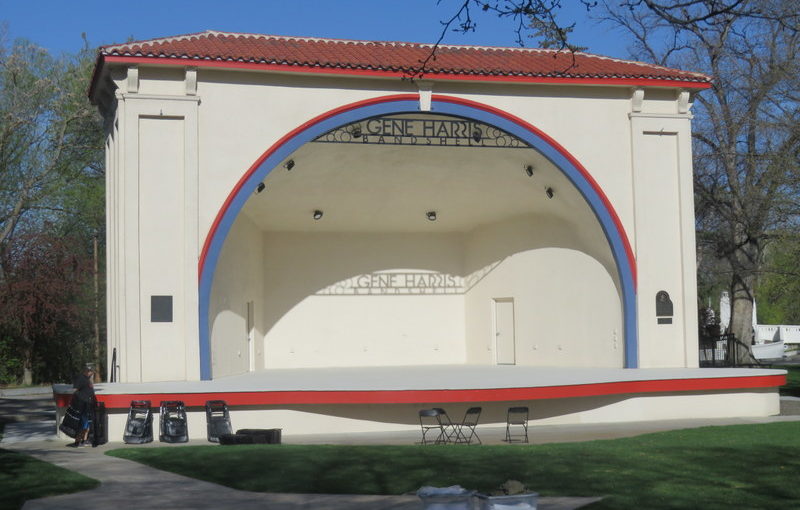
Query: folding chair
[450,428]
[469,423]
[517,418]
[431,419]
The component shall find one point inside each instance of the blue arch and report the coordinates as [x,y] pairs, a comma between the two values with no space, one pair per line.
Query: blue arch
[559,157]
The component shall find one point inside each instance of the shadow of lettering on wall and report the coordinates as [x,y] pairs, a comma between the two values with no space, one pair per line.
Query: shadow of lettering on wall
[403,283]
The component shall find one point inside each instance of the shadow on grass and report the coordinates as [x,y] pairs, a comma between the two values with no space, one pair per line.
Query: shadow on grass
[748,466]
[22,478]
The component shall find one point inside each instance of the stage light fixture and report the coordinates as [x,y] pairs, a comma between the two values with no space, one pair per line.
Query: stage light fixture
[356,132]
[260,187]
[317,214]
[289,164]
[477,135]
[431,215]
[549,192]
[529,170]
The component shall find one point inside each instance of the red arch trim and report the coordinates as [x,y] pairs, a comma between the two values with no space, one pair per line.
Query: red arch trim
[413,97]
[607,216]
[592,182]
[275,146]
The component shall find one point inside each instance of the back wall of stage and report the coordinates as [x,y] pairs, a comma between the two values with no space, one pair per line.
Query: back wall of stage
[371,299]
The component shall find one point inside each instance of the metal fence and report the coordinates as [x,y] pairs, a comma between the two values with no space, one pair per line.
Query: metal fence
[721,351]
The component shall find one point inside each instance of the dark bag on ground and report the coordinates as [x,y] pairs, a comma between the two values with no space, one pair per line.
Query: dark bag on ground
[71,424]
[252,436]
[99,425]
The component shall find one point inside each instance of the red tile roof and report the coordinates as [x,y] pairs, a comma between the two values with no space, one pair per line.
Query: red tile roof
[306,54]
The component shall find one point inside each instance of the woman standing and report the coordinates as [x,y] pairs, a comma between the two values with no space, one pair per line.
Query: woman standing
[84,400]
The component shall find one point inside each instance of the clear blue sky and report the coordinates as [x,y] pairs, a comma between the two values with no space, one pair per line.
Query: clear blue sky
[57,24]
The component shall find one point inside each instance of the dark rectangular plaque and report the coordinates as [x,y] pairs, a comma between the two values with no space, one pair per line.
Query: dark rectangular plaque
[160,308]
[663,304]
[665,320]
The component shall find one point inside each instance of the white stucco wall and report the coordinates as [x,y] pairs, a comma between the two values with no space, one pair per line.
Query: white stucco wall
[567,308]
[248,112]
[312,320]
[162,268]
[665,245]
[152,231]
[344,299]
[233,117]
[242,264]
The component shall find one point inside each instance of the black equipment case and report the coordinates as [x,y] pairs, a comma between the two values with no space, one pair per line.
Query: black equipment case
[172,422]
[139,427]
[218,420]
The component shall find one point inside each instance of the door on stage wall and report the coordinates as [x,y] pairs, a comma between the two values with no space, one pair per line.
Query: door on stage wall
[504,331]
[251,333]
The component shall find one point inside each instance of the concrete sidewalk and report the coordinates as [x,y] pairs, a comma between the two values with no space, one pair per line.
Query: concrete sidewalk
[126,484]
[36,391]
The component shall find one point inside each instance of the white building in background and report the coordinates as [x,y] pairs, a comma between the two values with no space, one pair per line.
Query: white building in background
[300,203]
[771,340]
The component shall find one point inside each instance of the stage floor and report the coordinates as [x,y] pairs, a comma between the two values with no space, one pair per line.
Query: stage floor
[435,383]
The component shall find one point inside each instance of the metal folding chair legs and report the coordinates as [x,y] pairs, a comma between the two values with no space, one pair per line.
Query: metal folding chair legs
[517,425]
[466,433]
[431,420]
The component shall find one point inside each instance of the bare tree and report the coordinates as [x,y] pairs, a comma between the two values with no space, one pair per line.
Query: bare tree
[538,19]
[528,18]
[747,127]
[701,13]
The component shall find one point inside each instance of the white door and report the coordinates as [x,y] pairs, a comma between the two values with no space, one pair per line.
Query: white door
[504,331]
[251,333]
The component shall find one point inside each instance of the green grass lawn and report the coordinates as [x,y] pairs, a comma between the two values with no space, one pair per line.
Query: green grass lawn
[743,466]
[22,478]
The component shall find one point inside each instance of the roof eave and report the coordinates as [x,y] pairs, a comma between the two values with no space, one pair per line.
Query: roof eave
[354,72]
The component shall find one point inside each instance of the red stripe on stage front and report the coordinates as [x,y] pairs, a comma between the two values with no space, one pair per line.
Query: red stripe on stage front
[265,398]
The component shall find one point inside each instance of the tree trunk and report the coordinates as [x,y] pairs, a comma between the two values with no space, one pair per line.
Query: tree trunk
[27,357]
[742,318]
[27,368]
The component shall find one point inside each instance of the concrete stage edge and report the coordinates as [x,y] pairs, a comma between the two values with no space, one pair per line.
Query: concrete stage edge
[380,399]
